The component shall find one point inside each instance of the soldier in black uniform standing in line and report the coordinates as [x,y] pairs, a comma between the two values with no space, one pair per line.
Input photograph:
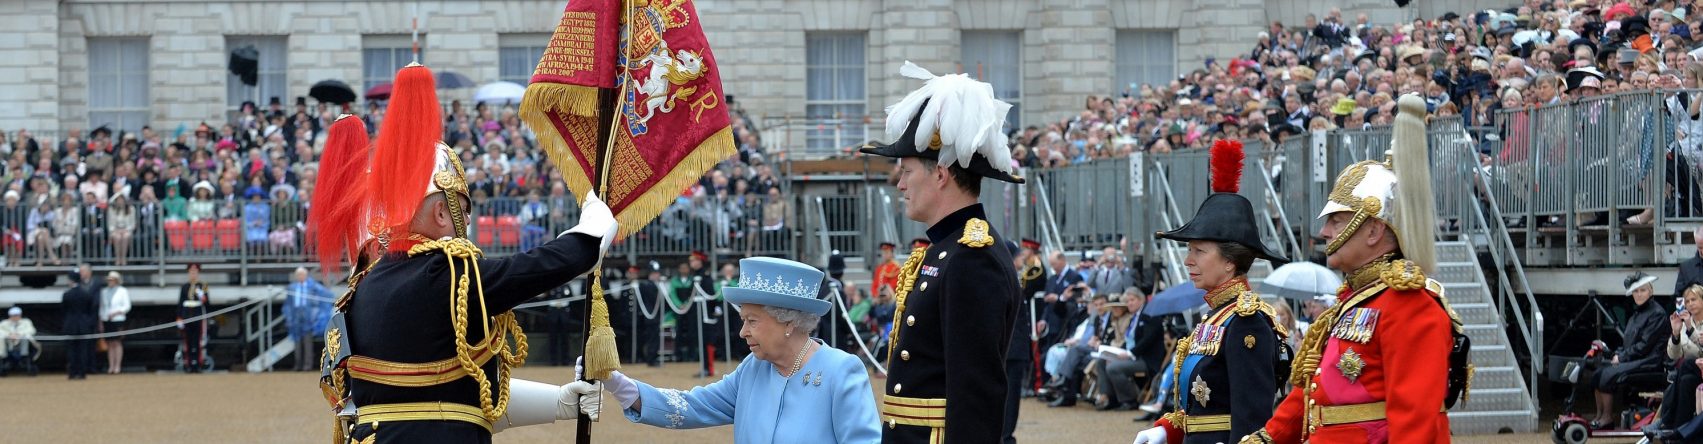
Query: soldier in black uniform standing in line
[650,337]
[957,299]
[192,302]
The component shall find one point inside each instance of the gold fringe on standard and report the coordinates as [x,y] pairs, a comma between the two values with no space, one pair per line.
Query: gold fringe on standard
[643,209]
[543,97]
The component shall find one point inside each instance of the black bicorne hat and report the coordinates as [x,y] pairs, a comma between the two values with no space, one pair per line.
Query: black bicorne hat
[1226,216]
[906,147]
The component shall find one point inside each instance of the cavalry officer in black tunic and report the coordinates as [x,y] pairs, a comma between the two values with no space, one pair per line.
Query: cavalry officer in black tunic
[424,341]
[1226,371]
[956,299]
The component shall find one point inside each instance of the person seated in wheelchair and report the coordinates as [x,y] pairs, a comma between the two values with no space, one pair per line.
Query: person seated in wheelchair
[1680,401]
[1640,352]
[17,335]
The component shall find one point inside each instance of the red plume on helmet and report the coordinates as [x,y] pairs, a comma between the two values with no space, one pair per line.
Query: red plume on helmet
[1226,166]
[403,155]
[337,219]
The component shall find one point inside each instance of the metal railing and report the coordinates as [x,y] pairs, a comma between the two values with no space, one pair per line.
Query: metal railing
[1605,171]
[817,138]
[1046,228]
[1468,212]
[260,235]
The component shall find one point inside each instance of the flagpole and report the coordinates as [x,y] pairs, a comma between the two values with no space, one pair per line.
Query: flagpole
[610,102]
[414,38]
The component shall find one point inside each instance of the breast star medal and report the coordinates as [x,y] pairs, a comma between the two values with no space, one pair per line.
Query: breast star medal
[1351,365]
[1200,391]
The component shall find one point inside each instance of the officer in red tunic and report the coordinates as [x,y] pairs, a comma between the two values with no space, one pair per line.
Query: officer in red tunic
[1385,364]
[887,273]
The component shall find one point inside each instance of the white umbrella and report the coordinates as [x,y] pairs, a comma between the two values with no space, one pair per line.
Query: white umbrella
[499,93]
[1301,280]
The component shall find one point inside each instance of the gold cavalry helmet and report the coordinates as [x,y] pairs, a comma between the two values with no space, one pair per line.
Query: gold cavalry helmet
[1396,191]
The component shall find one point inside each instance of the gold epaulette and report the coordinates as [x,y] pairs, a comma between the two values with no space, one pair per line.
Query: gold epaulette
[976,234]
[1402,275]
[1249,303]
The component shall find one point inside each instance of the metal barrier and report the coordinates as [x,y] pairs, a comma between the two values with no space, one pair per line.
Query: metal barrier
[1584,181]
[808,138]
[268,234]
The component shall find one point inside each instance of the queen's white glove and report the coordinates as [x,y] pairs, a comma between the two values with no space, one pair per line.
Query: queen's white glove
[624,390]
[1154,435]
[596,220]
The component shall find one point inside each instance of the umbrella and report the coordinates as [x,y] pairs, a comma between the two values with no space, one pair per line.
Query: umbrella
[451,80]
[1177,299]
[1301,281]
[245,64]
[379,92]
[332,91]
[499,93]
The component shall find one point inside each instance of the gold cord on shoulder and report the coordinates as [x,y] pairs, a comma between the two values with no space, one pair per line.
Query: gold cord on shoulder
[1312,345]
[462,251]
[907,278]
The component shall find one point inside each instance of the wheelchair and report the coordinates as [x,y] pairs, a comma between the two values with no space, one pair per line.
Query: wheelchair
[1646,387]
[32,352]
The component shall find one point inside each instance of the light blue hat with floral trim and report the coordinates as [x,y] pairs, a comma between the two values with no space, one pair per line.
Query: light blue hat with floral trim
[780,283]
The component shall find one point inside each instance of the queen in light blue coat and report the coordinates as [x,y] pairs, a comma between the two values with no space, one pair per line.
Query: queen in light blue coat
[791,388]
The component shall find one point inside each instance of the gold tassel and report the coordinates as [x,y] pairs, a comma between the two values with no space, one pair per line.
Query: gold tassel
[601,356]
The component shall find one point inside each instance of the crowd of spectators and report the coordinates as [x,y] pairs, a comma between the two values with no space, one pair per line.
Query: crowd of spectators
[1331,73]
[1327,73]
[105,194]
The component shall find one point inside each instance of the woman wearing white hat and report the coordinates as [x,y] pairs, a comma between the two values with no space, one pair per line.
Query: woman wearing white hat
[791,388]
[202,202]
[1641,352]
[115,305]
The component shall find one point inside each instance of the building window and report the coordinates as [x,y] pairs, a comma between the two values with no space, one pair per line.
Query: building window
[383,55]
[996,57]
[270,82]
[1145,57]
[518,55]
[118,83]
[836,89]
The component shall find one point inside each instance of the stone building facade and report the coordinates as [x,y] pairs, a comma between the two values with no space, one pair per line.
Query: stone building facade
[69,65]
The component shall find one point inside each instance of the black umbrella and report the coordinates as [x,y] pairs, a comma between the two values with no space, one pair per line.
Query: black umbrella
[332,91]
[245,64]
[453,80]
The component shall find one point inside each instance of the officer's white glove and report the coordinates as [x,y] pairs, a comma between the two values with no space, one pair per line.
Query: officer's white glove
[596,220]
[589,403]
[1154,435]
[624,390]
[580,398]
[533,403]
